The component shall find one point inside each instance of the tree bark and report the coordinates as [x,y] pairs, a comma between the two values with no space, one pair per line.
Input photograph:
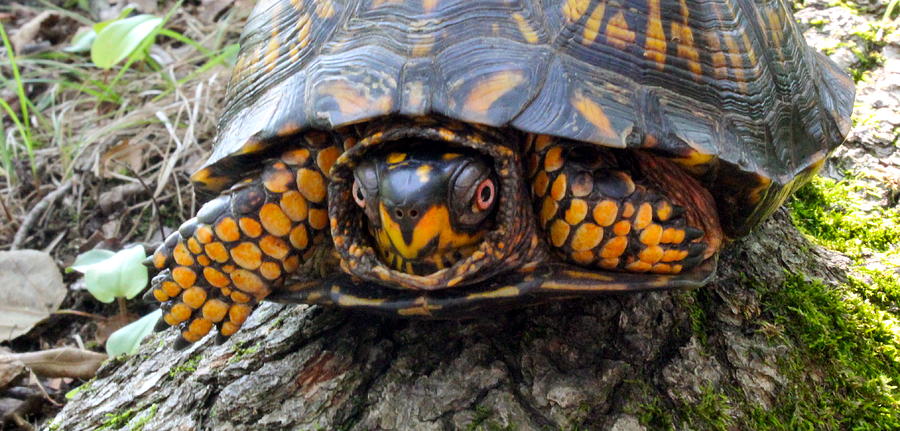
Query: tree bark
[592,363]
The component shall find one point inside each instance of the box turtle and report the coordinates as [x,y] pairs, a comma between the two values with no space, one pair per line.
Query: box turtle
[445,158]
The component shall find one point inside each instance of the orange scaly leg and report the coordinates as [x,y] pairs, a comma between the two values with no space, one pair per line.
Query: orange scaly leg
[243,244]
[622,212]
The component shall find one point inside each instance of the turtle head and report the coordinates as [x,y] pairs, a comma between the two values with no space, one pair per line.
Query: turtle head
[426,208]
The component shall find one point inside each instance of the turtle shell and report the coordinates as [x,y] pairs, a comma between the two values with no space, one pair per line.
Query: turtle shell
[726,88]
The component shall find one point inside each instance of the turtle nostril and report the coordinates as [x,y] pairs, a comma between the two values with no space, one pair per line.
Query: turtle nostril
[413,213]
[399,213]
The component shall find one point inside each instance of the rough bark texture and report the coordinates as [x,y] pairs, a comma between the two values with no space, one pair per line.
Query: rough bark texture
[583,364]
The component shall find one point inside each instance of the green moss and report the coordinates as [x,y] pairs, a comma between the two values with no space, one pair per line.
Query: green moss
[240,351]
[148,414]
[711,412]
[837,216]
[697,305]
[188,367]
[654,414]
[483,421]
[845,370]
[86,387]
[114,421]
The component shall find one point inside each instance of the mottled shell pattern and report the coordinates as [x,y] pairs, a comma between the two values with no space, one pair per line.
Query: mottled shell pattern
[728,89]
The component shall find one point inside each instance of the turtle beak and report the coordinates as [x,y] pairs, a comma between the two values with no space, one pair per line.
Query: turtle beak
[412,220]
[417,235]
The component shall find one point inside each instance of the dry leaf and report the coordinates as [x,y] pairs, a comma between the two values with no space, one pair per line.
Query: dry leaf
[121,154]
[10,369]
[62,362]
[31,288]
[49,27]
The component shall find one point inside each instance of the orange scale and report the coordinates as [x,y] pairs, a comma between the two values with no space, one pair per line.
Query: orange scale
[326,159]
[204,234]
[228,329]
[171,288]
[185,277]
[605,213]
[247,255]
[644,216]
[249,283]
[274,219]
[553,160]
[238,313]
[215,310]
[294,205]
[270,270]
[194,297]
[216,251]
[312,185]
[318,219]
[182,255]
[250,227]
[299,238]
[227,230]
[274,247]
[215,277]
[279,179]
[194,245]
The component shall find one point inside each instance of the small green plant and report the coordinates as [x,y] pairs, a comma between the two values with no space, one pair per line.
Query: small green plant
[23,123]
[117,276]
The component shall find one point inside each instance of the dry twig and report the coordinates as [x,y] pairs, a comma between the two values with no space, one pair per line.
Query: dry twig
[38,210]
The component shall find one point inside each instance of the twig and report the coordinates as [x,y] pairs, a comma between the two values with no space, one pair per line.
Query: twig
[81,313]
[38,210]
[6,210]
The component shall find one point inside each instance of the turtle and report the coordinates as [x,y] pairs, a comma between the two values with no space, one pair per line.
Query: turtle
[449,158]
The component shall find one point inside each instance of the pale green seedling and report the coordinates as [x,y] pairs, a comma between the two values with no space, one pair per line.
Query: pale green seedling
[110,275]
[127,339]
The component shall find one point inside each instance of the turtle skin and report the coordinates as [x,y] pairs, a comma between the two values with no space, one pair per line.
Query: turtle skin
[725,92]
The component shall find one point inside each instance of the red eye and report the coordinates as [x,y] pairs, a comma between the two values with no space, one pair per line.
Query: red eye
[484,194]
[358,195]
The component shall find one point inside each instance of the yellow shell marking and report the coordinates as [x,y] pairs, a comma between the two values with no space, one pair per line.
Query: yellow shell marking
[593,113]
[592,25]
[617,31]
[527,32]
[324,8]
[491,88]
[574,9]
[681,32]
[353,101]
[655,44]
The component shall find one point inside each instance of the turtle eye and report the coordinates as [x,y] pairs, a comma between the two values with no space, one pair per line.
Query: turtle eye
[484,194]
[358,195]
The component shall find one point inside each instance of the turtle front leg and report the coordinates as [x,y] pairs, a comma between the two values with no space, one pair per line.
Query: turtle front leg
[621,211]
[243,244]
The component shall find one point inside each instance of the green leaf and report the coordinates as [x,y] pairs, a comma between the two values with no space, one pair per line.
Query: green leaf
[109,275]
[127,339]
[82,41]
[121,38]
[85,261]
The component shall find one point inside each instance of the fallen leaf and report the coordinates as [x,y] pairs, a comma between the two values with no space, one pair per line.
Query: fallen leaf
[49,27]
[31,288]
[61,362]
[10,369]
[210,9]
[119,156]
